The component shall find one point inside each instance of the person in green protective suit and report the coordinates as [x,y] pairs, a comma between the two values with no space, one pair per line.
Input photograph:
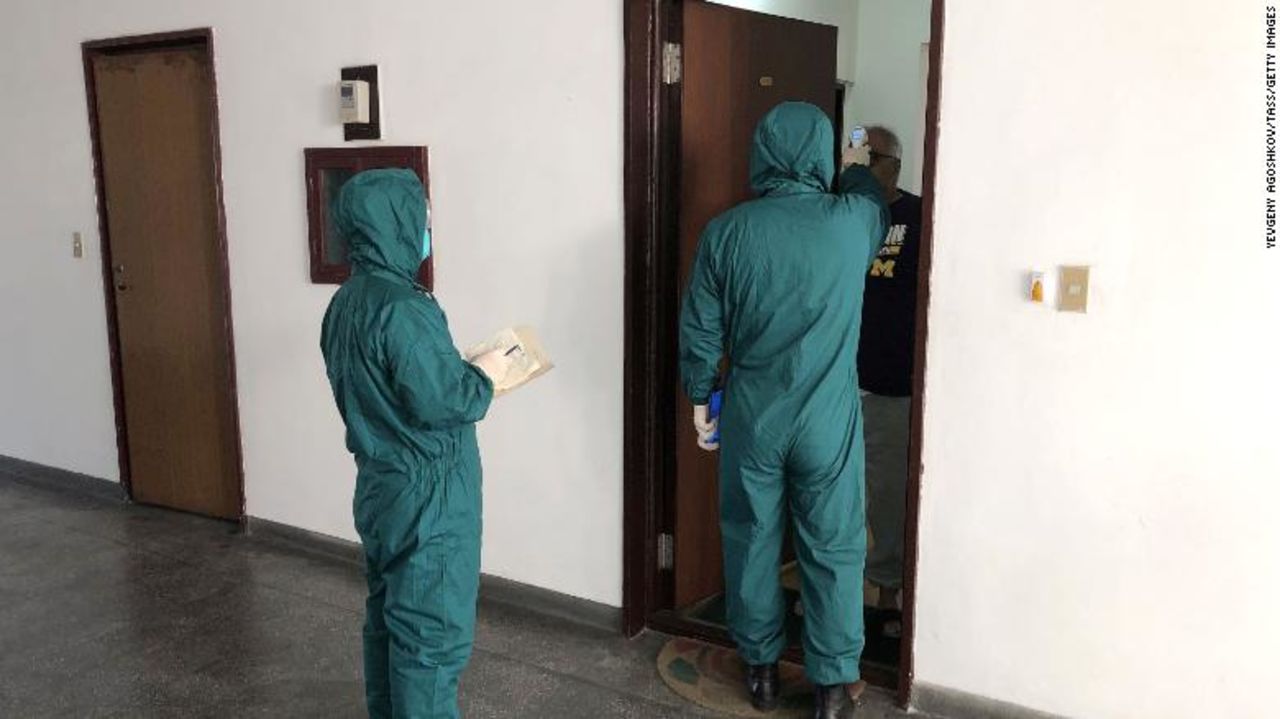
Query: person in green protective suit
[410,404]
[777,287]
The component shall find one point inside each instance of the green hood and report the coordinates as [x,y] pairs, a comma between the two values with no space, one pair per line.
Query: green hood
[794,151]
[382,214]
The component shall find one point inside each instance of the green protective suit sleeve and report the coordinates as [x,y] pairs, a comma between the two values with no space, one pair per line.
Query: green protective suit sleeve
[701,325]
[858,185]
[437,388]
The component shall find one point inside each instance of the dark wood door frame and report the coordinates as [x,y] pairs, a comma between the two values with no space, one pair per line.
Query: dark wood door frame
[652,176]
[198,38]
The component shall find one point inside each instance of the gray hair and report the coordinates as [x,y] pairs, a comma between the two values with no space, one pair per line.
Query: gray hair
[895,145]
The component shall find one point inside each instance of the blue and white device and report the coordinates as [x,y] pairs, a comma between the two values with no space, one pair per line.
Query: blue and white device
[713,412]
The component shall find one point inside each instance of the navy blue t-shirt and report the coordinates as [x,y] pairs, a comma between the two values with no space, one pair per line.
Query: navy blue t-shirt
[886,352]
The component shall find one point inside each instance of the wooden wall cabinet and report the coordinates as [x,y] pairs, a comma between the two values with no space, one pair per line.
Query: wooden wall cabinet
[328,169]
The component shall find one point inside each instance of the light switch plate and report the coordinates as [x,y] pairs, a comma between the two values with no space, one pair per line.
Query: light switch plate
[1073,289]
[77,246]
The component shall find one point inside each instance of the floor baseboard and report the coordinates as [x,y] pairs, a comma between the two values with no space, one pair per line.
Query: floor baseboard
[536,600]
[934,700]
[60,480]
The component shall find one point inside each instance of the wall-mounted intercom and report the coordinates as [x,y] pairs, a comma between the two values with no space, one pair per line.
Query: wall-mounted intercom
[353,101]
[359,105]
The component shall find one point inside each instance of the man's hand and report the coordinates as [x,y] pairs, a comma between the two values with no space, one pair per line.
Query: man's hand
[856,155]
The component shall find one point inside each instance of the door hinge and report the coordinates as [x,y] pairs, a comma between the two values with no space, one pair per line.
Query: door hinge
[672,64]
[666,552]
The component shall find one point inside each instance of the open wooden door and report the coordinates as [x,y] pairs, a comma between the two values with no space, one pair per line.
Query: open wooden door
[153,111]
[738,65]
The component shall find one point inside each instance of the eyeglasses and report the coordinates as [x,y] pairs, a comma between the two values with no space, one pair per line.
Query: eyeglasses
[878,156]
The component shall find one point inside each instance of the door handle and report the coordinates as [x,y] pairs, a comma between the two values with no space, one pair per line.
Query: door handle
[118,274]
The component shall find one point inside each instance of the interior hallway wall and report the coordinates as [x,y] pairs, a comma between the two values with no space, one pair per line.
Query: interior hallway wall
[889,87]
[521,105]
[1098,534]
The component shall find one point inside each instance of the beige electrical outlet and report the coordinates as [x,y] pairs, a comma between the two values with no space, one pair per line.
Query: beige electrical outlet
[1073,289]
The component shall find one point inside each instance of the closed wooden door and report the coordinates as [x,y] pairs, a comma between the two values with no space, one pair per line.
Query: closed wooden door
[738,65]
[156,148]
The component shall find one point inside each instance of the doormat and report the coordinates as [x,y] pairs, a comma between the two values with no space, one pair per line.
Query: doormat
[715,678]
[881,650]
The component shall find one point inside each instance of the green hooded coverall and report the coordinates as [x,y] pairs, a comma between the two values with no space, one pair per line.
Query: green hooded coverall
[777,287]
[410,404]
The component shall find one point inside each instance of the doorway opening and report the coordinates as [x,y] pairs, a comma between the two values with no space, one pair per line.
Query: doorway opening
[153,118]
[699,77]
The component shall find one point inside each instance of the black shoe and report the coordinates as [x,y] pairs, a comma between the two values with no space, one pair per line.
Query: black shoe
[762,683]
[834,702]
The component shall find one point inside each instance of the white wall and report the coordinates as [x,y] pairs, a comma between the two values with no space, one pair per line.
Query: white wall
[521,105]
[889,84]
[1099,534]
[55,382]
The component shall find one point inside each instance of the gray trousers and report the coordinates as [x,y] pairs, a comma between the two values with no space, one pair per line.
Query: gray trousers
[887,432]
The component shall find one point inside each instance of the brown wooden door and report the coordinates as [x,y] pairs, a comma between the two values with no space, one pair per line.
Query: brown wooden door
[738,65]
[156,147]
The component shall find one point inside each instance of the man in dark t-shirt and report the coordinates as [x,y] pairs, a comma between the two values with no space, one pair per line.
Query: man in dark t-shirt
[886,355]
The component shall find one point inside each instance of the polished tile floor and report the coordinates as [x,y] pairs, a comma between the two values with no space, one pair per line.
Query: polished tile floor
[114,610]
